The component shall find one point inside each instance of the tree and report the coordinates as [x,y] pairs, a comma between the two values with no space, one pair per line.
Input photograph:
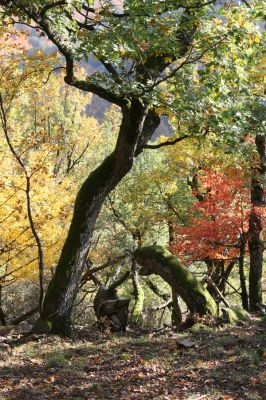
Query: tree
[168,36]
[255,240]
[218,225]
[39,121]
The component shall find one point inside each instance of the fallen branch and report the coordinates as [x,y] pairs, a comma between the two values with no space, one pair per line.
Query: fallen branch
[28,314]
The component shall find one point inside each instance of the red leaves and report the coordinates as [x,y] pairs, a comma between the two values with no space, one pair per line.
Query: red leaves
[218,221]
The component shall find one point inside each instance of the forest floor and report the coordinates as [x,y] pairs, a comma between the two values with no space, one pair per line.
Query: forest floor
[226,364]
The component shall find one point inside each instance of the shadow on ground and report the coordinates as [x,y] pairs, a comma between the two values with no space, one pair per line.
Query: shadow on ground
[228,364]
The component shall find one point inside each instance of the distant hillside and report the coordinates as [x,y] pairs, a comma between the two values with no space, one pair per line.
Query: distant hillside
[98,106]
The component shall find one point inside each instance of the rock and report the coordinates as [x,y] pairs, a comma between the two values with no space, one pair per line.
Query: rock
[233,315]
[6,330]
[185,343]
[23,328]
[4,347]
[200,328]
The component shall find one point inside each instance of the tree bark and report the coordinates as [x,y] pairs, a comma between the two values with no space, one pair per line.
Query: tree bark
[136,314]
[255,243]
[256,248]
[2,314]
[176,315]
[244,293]
[137,124]
[157,260]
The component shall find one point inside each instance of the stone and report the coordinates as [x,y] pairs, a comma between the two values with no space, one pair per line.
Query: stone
[185,343]
[6,330]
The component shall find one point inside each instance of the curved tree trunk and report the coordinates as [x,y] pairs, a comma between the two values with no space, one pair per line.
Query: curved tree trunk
[138,125]
[157,260]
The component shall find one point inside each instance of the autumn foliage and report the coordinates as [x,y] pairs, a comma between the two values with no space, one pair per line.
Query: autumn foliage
[218,220]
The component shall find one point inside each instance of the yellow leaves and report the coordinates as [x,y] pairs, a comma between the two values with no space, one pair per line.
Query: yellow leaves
[171,188]
[48,124]
[217,21]
[160,110]
[254,38]
[168,60]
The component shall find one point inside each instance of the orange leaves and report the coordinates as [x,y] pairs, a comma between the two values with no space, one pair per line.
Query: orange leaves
[218,220]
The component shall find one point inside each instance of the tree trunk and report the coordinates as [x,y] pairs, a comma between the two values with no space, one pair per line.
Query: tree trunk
[136,314]
[176,315]
[2,314]
[137,125]
[244,293]
[256,248]
[255,243]
[157,260]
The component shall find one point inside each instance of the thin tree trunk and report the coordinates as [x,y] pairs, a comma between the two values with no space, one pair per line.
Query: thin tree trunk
[136,314]
[244,293]
[2,314]
[176,316]
[28,177]
[255,243]
[63,288]
[256,248]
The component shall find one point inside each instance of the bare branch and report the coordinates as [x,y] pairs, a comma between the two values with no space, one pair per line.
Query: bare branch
[50,6]
[166,143]
[53,70]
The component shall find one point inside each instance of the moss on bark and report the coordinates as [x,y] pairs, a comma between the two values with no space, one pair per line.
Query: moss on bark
[136,315]
[157,260]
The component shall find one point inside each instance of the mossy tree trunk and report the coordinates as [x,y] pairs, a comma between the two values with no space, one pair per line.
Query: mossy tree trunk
[176,313]
[255,243]
[157,260]
[136,315]
[138,125]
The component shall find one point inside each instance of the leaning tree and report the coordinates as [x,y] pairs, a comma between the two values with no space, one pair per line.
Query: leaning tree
[142,45]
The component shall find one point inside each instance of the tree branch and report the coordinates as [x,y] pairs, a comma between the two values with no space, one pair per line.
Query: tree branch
[166,143]
[51,6]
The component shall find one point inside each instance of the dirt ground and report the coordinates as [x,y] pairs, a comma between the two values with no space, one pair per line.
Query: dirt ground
[226,364]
